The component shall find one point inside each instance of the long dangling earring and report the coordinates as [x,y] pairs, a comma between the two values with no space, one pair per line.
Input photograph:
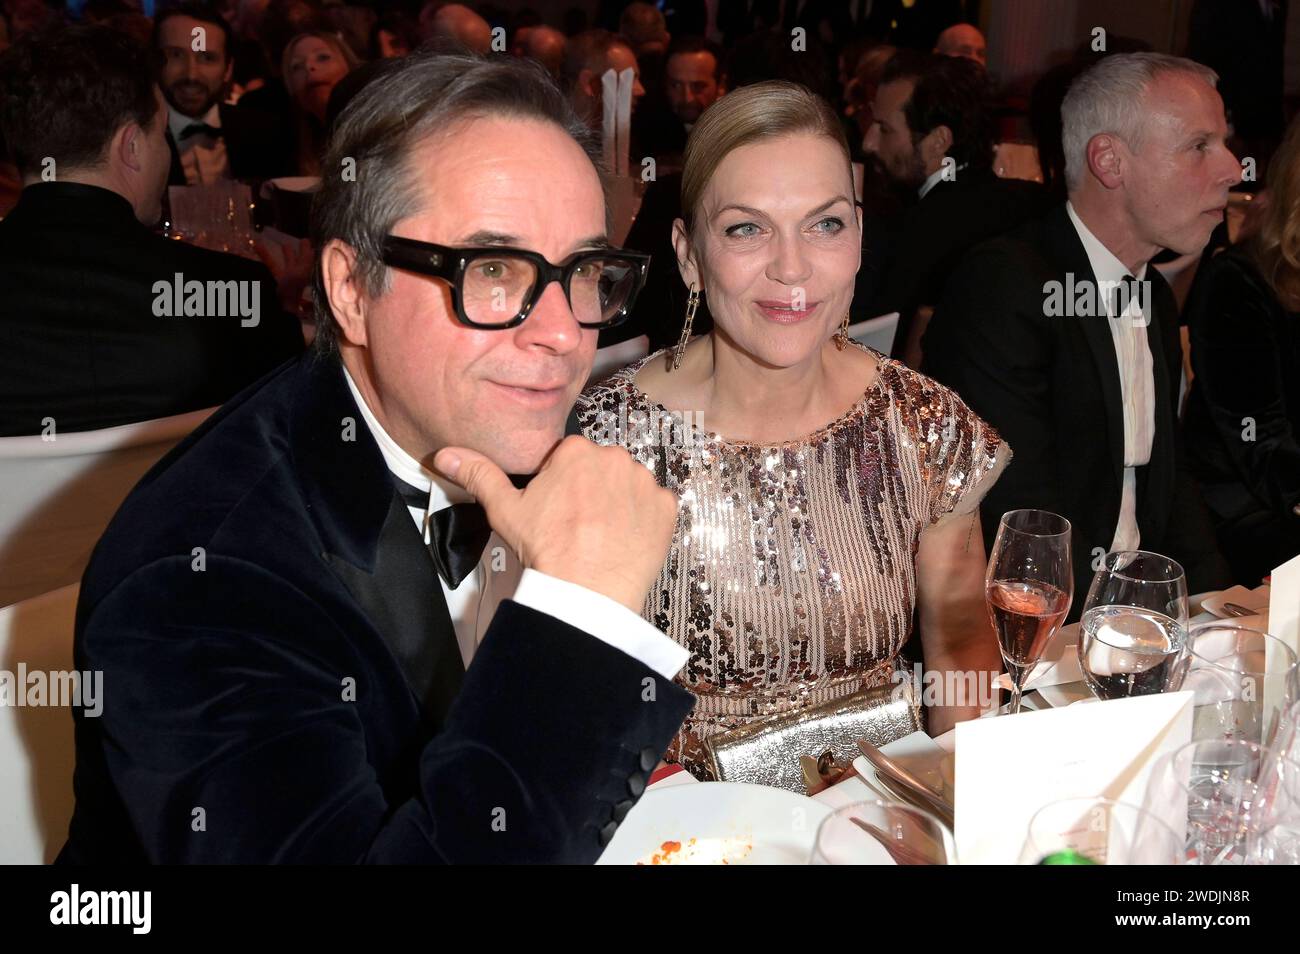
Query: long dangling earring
[841,337]
[692,302]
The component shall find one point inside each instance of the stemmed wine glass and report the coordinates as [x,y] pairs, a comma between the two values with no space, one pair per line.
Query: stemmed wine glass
[1028,587]
[1099,831]
[1133,632]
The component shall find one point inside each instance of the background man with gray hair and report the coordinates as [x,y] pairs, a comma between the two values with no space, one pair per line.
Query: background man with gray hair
[285,610]
[1082,382]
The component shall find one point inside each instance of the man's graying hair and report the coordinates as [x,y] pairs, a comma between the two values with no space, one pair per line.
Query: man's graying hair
[418,96]
[1107,98]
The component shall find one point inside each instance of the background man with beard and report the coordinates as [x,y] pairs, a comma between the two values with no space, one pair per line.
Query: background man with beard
[210,139]
[931,113]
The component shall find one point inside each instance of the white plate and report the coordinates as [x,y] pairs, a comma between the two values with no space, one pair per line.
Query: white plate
[746,824]
[1256,599]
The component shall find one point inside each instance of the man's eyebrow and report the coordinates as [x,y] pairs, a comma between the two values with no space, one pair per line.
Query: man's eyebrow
[489,237]
[1192,138]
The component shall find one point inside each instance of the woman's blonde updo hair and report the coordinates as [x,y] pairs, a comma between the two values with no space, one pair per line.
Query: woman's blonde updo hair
[1276,246]
[747,115]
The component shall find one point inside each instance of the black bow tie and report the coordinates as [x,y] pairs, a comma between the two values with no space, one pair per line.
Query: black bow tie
[457,534]
[1127,289]
[193,129]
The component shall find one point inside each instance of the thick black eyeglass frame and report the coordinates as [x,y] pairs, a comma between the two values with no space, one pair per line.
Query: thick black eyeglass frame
[449,264]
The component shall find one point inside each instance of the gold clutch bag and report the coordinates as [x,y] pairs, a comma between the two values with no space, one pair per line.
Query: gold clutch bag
[767,751]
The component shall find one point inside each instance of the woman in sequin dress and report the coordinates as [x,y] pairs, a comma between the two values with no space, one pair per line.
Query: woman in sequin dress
[826,492]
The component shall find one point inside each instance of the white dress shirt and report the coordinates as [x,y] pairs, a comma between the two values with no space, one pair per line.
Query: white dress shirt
[933,178]
[500,576]
[1136,375]
[203,157]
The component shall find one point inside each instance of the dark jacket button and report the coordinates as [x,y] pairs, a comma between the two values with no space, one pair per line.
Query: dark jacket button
[636,785]
[622,808]
[649,759]
[607,833]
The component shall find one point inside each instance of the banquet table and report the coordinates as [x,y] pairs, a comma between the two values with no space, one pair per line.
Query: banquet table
[859,786]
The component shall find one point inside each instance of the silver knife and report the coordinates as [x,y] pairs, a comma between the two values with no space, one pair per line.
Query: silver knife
[891,771]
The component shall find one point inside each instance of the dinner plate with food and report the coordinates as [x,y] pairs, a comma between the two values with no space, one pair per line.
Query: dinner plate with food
[717,823]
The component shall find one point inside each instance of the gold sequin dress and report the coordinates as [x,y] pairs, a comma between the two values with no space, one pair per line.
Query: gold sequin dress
[791,578]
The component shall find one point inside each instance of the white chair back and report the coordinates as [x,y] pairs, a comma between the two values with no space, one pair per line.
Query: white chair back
[37,750]
[877,333]
[57,496]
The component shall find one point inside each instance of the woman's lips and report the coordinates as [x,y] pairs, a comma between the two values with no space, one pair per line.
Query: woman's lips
[784,313]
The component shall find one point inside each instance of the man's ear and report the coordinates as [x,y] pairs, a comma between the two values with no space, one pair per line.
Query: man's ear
[685,255]
[230,72]
[343,290]
[128,146]
[935,145]
[1104,153]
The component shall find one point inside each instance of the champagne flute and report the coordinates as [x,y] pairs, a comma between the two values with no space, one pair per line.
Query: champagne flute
[1028,588]
[1133,633]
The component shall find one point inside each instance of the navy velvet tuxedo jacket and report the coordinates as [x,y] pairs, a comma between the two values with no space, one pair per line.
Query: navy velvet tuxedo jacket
[282,681]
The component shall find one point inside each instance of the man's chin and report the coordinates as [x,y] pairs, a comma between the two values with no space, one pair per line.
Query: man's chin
[523,452]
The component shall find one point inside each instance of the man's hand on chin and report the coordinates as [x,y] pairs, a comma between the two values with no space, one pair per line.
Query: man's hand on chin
[592,516]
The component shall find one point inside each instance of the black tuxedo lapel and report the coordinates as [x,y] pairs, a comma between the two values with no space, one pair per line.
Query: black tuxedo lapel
[369,539]
[236,133]
[176,175]
[403,599]
[1071,255]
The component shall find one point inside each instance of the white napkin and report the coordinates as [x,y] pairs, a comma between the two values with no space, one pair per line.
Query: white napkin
[624,119]
[609,118]
[616,119]
[1284,604]
[1009,767]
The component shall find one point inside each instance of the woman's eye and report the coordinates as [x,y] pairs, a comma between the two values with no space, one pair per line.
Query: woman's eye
[738,231]
[830,225]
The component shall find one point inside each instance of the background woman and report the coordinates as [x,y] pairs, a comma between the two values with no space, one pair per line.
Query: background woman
[313,64]
[1244,409]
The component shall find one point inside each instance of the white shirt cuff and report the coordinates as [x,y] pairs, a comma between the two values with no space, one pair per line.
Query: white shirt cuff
[609,621]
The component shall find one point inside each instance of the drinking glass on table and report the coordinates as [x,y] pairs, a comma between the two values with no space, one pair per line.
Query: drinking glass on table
[1133,632]
[1241,678]
[878,832]
[1279,842]
[1099,831]
[1229,797]
[1028,588]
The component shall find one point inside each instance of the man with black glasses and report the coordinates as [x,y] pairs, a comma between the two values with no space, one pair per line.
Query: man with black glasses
[286,612]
